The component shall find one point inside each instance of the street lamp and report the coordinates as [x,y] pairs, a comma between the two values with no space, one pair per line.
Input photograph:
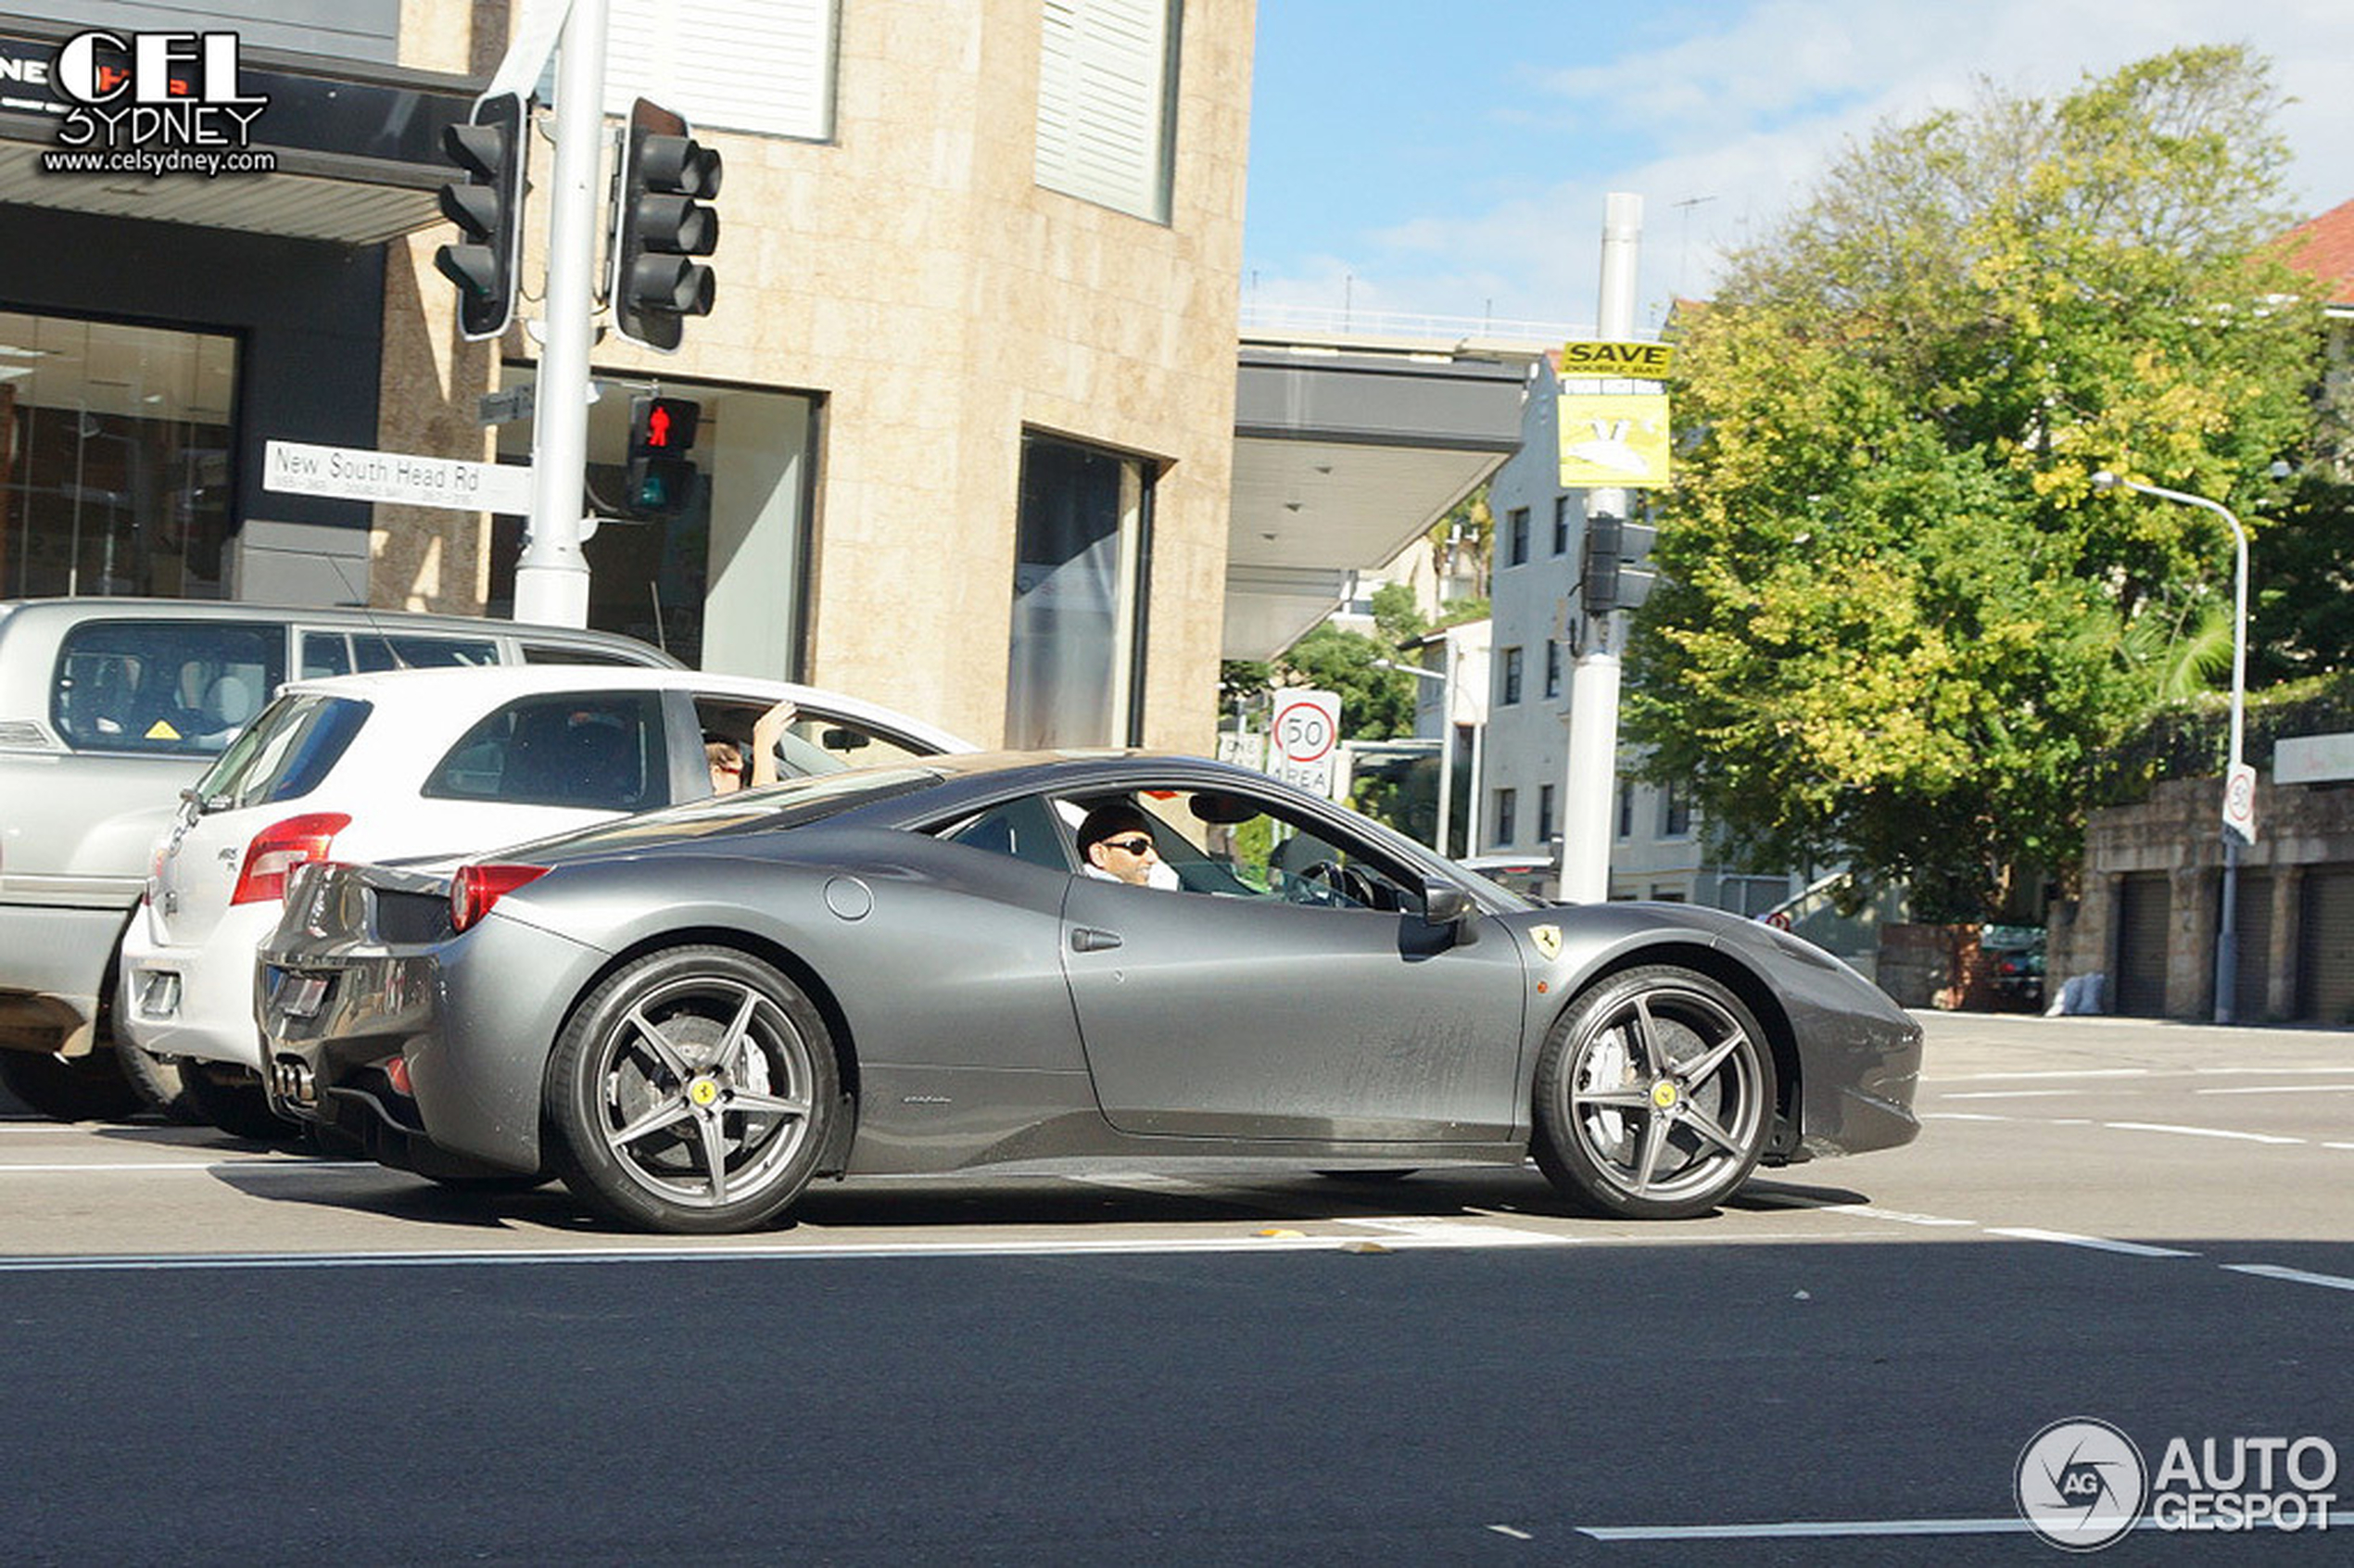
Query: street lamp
[1446,734]
[2226,926]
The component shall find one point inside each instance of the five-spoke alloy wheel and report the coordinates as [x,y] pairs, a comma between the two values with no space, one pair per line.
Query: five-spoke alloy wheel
[1655,1096]
[692,1092]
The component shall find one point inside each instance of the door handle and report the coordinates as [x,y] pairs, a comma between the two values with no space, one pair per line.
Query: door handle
[1086,939]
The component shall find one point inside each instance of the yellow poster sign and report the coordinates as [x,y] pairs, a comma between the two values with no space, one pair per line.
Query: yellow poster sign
[1641,361]
[1615,438]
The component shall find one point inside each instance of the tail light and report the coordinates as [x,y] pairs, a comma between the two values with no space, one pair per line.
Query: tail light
[476,888]
[281,847]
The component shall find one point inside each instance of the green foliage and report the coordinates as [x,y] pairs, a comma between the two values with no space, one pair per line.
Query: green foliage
[1376,704]
[1898,627]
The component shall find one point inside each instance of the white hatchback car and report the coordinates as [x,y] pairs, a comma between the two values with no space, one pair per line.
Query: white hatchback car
[427,763]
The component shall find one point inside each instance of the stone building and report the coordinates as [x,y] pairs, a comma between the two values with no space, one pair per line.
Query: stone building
[2153,896]
[967,390]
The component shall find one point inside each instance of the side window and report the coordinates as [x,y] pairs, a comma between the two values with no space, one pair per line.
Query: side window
[599,750]
[1230,846]
[372,652]
[811,743]
[1023,828]
[324,654]
[176,687]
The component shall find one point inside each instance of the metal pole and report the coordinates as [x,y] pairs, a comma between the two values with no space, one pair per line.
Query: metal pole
[2227,956]
[1592,770]
[1446,750]
[552,580]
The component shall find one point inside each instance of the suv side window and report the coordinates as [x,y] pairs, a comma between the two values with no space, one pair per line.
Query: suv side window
[180,688]
[599,750]
[371,652]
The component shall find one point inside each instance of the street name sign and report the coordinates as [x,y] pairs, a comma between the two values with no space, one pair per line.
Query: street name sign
[401,478]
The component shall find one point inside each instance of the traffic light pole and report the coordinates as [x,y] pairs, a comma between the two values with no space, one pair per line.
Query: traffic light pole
[1588,788]
[552,580]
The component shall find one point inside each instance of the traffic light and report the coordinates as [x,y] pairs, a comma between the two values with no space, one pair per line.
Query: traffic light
[662,479]
[659,222]
[1615,552]
[488,207]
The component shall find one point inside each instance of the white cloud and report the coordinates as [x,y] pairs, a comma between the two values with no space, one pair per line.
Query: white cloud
[1740,120]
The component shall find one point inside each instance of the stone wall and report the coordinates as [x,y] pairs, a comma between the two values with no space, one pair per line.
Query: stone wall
[2176,832]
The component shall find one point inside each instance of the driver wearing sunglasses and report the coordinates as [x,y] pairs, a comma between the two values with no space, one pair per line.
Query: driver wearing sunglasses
[1117,842]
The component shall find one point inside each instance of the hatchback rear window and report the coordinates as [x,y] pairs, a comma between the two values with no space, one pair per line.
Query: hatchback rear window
[179,688]
[600,750]
[284,754]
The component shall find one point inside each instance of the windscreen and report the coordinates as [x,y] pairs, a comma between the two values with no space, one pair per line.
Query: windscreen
[284,754]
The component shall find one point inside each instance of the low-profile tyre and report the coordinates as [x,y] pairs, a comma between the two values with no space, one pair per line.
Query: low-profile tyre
[232,1099]
[89,1088]
[692,1092]
[159,1082]
[1655,1096]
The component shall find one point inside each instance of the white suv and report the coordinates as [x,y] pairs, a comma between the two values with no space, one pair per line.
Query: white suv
[107,708]
[432,762]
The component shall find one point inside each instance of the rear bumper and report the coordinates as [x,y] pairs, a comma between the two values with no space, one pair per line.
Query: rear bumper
[212,1015]
[53,964]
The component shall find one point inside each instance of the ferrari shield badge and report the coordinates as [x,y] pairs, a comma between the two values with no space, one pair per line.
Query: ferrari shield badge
[1547,940]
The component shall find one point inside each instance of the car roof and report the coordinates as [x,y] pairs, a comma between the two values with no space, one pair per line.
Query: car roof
[475,688]
[111,608]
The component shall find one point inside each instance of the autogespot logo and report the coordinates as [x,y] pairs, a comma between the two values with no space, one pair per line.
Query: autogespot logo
[2081,1484]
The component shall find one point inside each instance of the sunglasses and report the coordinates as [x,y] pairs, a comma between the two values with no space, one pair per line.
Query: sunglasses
[1135,844]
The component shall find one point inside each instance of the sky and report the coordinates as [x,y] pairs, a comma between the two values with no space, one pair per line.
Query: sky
[1452,158]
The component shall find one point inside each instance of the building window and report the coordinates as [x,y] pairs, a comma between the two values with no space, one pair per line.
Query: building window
[1516,536]
[1081,565]
[1548,827]
[767,68]
[724,585]
[1507,805]
[1625,808]
[1675,812]
[1508,690]
[1107,101]
[1561,524]
[114,459]
[1669,892]
[1552,668]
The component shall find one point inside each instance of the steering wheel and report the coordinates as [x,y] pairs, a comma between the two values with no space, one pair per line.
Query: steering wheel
[1328,881]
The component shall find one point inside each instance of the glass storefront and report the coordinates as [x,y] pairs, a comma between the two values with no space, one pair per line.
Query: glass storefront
[114,458]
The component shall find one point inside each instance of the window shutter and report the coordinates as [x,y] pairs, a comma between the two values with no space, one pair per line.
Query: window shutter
[764,65]
[1104,93]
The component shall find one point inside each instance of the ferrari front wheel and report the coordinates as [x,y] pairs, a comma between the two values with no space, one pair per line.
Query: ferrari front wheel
[692,1092]
[1655,1096]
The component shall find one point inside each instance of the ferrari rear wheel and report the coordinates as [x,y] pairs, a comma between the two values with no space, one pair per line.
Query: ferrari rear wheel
[692,1092]
[1655,1096]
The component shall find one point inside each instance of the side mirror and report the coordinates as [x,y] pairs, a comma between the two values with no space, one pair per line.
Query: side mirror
[1444,903]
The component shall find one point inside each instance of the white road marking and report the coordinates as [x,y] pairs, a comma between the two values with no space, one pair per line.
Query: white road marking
[2282,1089]
[1439,1228]
[2271,1071]
[2011,1095]
[2275,1271]
[1508,1530]
[1811,1529]
[2051,1073]
[812,1251]
[257,1166]
[2099,1243]
[2201,1131]
[1965,1116]
[1799,1200]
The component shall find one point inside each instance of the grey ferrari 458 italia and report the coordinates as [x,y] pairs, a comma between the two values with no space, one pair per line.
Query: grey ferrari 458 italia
[689,1014]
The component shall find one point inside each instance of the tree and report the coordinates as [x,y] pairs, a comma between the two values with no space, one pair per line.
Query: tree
[1899,628]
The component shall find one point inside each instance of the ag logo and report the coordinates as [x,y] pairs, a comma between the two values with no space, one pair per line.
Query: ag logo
[2081,1484]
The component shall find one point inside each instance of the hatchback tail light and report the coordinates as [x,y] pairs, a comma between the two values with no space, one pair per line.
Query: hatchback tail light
[281,847]
[476,888]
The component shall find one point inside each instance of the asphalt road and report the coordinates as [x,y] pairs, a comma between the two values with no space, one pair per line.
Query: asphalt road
[220,1353]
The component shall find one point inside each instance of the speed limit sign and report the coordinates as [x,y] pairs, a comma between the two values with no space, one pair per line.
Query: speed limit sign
[1304,739]
[2239,804]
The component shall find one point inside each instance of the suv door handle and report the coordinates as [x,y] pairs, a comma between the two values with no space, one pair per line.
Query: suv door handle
[1086,939]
